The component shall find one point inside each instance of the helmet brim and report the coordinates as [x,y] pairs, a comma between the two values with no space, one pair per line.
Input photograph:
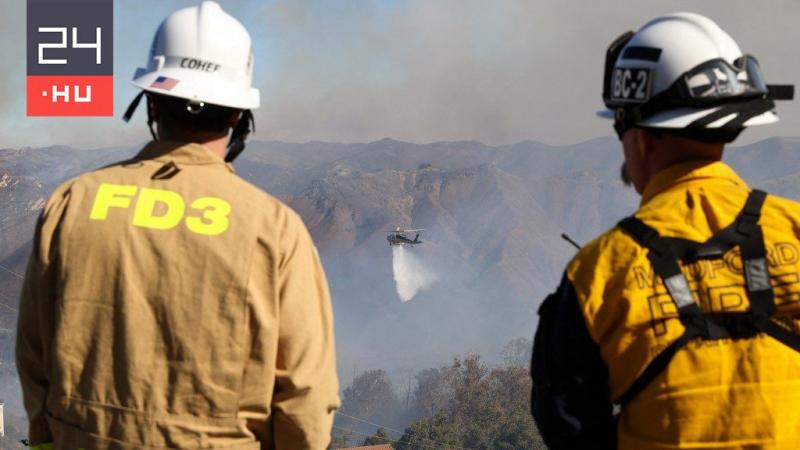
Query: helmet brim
[681,118]
[199,86]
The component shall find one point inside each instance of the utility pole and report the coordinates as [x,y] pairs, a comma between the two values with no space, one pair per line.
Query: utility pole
[408,391]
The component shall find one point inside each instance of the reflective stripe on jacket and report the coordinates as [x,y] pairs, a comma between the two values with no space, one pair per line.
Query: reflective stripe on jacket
[611,317]
[170,304]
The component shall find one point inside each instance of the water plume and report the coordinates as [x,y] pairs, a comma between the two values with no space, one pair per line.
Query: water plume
[410,273]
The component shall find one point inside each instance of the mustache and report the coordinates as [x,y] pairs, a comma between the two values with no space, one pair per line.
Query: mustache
[623,174]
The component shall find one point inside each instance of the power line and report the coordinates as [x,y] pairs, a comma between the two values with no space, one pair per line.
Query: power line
[7,306]
[6,297]
[338,413]
[360,433]
[12,272]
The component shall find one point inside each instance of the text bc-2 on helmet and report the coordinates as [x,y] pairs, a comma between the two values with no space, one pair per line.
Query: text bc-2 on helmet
[203,55]
[682,74]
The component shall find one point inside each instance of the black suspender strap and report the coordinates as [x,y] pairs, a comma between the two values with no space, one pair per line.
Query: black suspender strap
[665,265]
[656,366]
[725,239]
[664,254]
[756,270]
[754,257]
[778,332]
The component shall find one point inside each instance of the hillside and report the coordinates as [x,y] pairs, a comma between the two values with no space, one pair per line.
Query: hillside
[493,216]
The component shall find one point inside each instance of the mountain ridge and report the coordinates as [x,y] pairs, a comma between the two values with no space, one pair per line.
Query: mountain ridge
[492,214]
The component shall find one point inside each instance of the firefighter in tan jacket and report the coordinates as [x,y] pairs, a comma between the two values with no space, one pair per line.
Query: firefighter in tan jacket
[168,303]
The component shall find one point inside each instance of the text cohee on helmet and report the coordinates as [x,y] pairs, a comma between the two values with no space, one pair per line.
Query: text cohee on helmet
[204,55]
[681,72]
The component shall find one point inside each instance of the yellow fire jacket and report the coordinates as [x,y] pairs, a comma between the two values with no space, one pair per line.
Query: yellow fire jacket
[613,316]
[170,304]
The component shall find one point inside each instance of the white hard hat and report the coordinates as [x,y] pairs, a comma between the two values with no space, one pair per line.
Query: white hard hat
[203,54]
[681,71]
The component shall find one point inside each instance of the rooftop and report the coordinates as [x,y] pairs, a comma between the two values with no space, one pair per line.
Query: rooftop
[370,447]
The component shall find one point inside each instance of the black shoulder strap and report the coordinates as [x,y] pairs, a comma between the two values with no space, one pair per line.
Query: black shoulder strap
[756,270]
[725,239]
[754,256]
[656,366]
[745,232]
[665,265]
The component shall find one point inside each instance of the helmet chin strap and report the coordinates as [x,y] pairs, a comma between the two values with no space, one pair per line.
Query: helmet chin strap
[132,108]
[240,132]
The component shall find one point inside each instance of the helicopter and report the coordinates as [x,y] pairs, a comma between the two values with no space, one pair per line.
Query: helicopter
[398,237]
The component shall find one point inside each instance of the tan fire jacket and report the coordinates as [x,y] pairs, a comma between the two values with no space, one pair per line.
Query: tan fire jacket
[170,304]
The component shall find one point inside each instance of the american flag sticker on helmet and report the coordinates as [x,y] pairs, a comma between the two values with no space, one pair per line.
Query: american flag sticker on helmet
[165,83]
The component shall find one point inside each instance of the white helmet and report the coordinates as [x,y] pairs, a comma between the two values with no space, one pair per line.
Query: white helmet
[683,73]
[208,55]
[204,55]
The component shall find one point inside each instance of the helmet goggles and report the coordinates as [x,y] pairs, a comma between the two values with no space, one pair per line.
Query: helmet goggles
[715,82]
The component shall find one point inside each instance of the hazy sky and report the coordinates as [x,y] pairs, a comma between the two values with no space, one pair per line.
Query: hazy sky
[420,70]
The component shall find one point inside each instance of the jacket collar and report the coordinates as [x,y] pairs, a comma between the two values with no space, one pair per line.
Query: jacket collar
[680,174]
[181,153]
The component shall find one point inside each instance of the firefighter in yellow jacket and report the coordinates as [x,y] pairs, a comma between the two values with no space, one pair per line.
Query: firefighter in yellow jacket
[168,303]
[686,316]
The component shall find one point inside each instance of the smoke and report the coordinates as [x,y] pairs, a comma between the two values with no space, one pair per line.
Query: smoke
[410,274]
[415,70]
[429,70]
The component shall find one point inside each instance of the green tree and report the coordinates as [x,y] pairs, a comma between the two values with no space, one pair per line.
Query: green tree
[370,393]
[340,438]
[433,392]
[378,438]
[484,409]
[435,431]
[371,397]
[518,352]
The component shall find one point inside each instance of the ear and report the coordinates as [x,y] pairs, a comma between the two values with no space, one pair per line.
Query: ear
[644,141]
